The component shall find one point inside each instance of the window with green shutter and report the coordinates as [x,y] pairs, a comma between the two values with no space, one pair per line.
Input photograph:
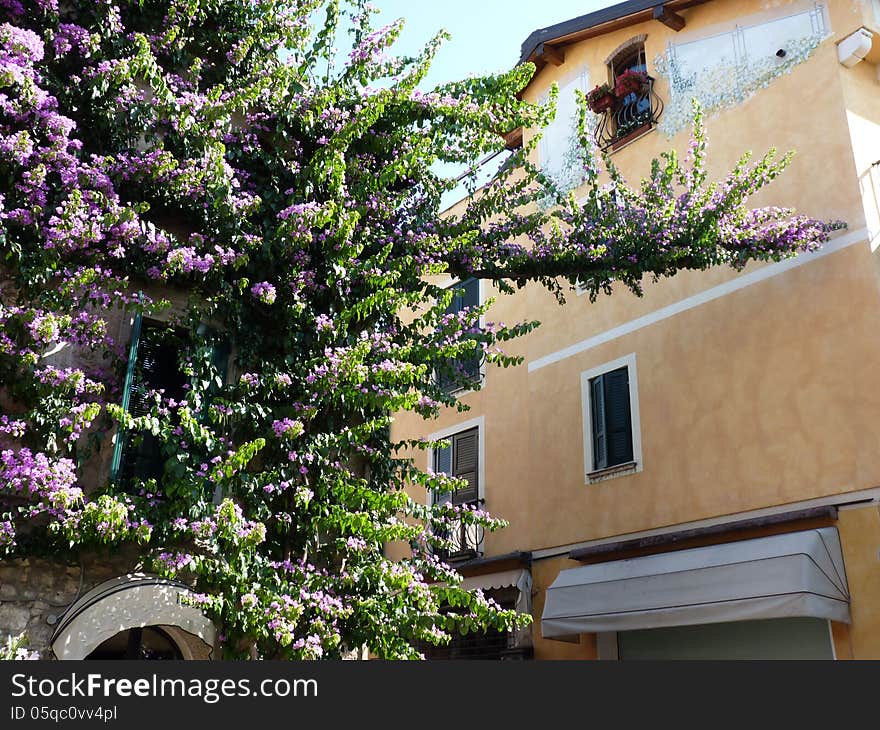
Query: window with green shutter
[153,364]
[460,460]
[611,419]
[464,370]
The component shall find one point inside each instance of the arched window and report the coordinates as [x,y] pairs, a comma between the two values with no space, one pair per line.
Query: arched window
[636,107]
[631,57]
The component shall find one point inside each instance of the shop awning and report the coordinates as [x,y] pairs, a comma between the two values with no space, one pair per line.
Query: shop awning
[793,574]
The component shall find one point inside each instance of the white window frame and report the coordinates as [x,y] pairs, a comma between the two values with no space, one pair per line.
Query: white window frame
[481,297]
[591,476]
[480,424]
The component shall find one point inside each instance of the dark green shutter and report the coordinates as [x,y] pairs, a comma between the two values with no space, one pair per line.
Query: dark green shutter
[220,360]
[467,294]
[597,411]
[470,364]
[470,296]
[465,465]
[155,367]
[442,465]
[618,420]
[126,394]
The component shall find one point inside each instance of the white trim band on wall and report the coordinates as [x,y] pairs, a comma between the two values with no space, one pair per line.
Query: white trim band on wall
[715,292]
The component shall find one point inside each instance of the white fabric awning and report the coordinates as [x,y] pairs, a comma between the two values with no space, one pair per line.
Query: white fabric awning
[502,579]
[521,578]
[794,574]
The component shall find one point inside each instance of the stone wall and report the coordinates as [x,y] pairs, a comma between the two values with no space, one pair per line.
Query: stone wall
[34,593]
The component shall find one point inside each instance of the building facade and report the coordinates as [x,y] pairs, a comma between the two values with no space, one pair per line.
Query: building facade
[694,472]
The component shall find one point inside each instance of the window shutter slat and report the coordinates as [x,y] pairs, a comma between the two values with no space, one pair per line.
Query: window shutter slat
[617,417]
[597,403]
[465,467]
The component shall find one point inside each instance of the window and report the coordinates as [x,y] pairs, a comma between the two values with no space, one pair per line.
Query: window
[611,420]
[636,108]
[153,364]
[465,370]
[461,459]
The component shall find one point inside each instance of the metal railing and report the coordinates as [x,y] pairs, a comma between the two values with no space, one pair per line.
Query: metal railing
[465,540]
[629,116]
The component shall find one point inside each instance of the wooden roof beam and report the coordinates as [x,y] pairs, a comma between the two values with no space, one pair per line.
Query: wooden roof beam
[669,18]
[513,139]
[549,54]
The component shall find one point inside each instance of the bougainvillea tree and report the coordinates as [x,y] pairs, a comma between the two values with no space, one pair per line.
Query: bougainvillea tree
[218,153]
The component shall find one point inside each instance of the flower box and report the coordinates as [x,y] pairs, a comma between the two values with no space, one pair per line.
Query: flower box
[601,98]
[630,82]
[603,103]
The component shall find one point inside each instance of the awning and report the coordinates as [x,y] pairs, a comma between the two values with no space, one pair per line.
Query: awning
[794,574]
[132,600]
[521,578]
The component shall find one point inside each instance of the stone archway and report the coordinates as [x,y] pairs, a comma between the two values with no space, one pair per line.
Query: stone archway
[133,601]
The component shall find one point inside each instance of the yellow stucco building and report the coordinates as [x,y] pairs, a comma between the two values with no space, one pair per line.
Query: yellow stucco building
[696,472]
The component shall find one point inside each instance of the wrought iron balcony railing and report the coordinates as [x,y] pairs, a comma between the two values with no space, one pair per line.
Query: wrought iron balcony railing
[629,117]
[465,541]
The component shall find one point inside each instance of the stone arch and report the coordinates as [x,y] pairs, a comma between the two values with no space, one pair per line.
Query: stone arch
[130,601]
[636,40]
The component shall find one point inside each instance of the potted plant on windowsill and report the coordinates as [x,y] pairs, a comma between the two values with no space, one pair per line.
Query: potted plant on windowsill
[630,82]
[600,98]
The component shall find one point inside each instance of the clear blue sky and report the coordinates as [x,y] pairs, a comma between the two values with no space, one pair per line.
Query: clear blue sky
[486,34]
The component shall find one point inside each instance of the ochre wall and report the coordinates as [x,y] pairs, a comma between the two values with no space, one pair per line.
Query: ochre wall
[860,539]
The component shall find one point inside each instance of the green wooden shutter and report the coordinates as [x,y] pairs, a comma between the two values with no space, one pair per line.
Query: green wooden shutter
[470,364]
[470,296]
[116,462]
[597,413]
[442,465]
[618,420]
[467,294]
[155,367]
[465,465]
[220,360]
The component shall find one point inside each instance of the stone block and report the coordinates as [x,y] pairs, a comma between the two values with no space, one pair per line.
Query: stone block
[14,618]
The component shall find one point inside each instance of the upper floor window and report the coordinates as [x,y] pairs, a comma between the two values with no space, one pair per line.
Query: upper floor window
[635,108]
[611,420]
[461,459]
[153,365]
[463,371]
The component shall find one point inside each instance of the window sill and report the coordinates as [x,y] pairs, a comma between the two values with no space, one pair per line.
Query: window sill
[471,387]
[631,137]
[600,475]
